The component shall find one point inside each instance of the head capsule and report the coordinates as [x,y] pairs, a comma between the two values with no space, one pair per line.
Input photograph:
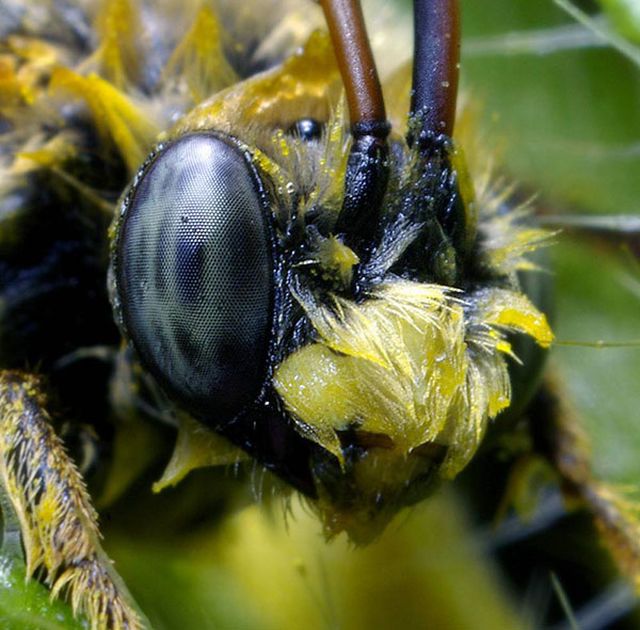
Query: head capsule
[323,299]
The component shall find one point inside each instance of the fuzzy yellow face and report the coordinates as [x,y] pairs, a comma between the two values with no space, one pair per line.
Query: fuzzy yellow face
[359,373]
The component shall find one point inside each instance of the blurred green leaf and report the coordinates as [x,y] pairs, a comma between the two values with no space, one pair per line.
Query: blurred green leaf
[625,15]
[568,121]
[594,302]
[27,605]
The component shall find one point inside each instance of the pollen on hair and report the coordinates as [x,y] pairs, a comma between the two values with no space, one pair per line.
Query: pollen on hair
[58,523]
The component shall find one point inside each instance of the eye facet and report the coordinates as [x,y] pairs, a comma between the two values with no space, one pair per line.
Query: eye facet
[194,275]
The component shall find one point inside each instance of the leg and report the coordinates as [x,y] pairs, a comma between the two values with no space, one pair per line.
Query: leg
[559,438]
[56,519]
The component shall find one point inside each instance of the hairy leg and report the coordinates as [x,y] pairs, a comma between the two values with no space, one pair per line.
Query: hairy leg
[559,437]
[49,500]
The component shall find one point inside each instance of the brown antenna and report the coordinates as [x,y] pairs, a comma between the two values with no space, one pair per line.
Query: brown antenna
[367,168]
[355,60]
[436,64]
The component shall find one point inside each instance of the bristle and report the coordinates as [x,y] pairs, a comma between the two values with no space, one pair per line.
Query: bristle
[617,512]
[197,447]
[116,117]
[59,525]
[117,57]
[199,60]
[419,363]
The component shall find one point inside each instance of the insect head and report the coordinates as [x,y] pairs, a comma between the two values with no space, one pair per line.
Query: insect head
[329,296]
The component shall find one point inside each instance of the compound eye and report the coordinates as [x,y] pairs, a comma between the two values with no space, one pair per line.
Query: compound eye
[194,275]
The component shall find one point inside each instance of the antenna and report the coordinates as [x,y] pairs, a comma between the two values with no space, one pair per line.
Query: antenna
[436,65]
[367,168]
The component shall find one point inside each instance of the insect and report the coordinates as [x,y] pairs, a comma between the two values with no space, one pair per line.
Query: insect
[295,276]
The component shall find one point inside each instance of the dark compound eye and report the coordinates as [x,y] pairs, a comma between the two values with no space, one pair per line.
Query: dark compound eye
[307,129]
[194,275]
